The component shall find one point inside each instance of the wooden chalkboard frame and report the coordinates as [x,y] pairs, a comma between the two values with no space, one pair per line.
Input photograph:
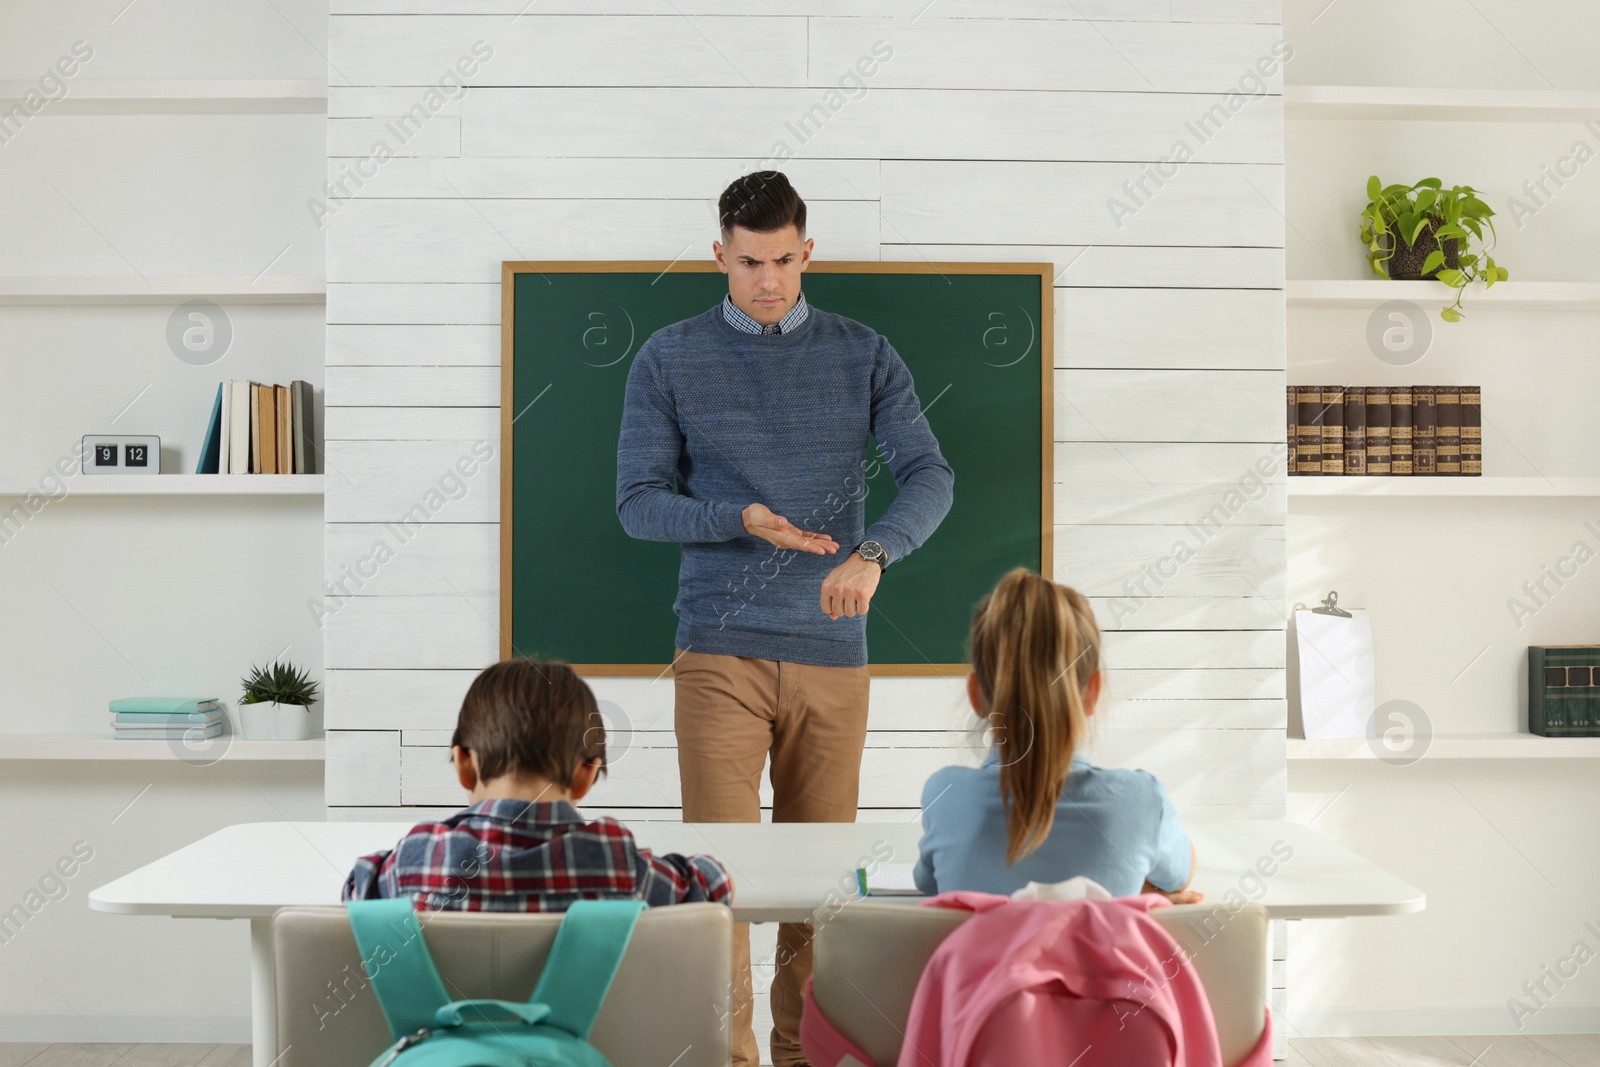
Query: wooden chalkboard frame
[509,269]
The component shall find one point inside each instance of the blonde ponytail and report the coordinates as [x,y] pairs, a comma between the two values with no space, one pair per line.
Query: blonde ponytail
[1034,647]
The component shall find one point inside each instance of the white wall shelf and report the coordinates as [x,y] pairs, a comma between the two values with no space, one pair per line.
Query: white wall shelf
[1434,485]
[1456,746]
[1435,105]
[223,97]
[184,485]
[1368,293]
[104,747]
[266,289]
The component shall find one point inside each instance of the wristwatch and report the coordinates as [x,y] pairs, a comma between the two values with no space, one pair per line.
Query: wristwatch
[875,552]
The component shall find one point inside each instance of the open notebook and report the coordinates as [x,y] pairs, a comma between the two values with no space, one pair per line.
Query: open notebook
[888,880]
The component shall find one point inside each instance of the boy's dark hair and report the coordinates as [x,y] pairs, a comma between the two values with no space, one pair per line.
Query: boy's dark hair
[761,201]
[527,717]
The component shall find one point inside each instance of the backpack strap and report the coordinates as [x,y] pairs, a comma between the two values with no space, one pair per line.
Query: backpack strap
[589,946]
[396,960]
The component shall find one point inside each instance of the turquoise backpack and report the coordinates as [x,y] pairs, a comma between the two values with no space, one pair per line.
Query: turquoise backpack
[550,1030]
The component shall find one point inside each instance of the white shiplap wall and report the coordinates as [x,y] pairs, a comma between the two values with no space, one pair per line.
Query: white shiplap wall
[995,131]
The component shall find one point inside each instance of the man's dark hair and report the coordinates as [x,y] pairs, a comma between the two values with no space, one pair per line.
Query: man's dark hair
[761,201]
[527,717]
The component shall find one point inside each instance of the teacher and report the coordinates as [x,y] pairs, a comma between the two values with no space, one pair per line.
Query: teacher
[758,412]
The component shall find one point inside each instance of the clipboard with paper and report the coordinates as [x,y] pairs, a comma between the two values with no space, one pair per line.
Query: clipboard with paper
[1337,675]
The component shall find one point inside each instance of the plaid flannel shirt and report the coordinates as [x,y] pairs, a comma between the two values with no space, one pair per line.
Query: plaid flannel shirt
[520,855]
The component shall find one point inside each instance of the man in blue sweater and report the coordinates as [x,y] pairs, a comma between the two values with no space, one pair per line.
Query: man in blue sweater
[758,411]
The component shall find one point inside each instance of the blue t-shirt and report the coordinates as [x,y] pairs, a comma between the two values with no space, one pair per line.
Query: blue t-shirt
[1117,827]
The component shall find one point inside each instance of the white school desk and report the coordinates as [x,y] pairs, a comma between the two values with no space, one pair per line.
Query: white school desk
[782,872]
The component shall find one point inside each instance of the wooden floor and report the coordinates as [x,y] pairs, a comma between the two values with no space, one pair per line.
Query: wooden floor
[1567,1050]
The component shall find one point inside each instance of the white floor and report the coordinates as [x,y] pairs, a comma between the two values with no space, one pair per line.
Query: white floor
[1556,1050]
[125,1055]
[1566,1050]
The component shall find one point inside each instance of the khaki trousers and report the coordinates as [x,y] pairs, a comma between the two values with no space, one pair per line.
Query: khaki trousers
[730,712]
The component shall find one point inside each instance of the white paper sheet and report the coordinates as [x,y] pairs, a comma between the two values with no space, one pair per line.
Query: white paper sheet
[1337,677]
[891,879]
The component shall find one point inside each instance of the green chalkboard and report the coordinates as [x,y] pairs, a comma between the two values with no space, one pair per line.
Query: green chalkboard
[575,586]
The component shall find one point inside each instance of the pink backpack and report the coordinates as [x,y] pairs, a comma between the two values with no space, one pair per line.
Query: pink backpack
[1081,982]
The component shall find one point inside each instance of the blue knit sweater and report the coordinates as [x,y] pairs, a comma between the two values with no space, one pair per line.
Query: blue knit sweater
[782,419]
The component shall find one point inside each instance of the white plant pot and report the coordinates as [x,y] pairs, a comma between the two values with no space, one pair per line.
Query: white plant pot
[290,722]
[255,721]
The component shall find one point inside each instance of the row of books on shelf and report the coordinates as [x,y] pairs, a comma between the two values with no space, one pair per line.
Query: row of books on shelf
[259,429]
[1384,429]
[166,719]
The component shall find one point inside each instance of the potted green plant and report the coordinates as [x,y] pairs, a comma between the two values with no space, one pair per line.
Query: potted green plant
[277,703]
[1428,231]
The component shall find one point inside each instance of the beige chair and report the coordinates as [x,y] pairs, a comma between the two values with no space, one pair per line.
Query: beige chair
[869,956]
[668,1004]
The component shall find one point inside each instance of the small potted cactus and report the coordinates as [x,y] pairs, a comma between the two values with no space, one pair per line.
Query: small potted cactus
[277,703]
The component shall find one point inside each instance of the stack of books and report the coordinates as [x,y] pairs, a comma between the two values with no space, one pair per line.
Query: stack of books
[259,429]
[1383,429]
[166,718]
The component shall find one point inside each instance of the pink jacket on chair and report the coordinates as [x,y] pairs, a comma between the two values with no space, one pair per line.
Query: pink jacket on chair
[1085,982]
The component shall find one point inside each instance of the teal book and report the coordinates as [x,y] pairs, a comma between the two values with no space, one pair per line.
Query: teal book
[1563,690]
[170,733]
[162,718]
[166,705]
[211,450]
